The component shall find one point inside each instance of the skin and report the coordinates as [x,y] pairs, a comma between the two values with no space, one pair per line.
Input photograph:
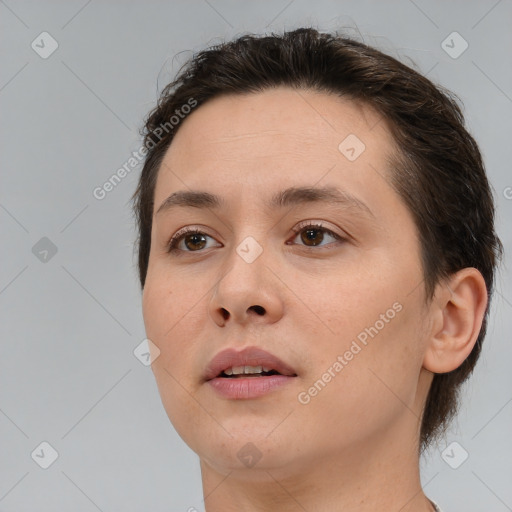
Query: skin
[354,446]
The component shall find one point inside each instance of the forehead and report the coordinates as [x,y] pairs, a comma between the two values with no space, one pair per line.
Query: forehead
[248,150]
[276,120]
[274,139]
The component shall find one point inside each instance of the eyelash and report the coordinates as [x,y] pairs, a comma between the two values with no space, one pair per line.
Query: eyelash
[172,246]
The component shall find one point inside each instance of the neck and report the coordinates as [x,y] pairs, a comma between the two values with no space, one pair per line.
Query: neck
[381,475]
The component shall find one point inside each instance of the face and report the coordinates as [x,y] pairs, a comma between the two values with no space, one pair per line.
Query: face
[327,281]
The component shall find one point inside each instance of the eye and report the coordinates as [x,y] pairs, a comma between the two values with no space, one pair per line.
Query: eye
[188,240]
[195,240]
[312,235]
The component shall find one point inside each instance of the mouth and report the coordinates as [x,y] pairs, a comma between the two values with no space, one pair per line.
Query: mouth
[236,372]
[249,373]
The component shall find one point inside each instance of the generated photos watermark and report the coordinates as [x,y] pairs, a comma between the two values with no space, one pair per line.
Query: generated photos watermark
[101,191]
[357,345]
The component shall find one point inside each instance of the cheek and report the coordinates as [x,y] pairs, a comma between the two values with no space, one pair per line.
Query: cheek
[342,303]
[372,342]
[174,316]
[168,305]
[376,386]
[170,320]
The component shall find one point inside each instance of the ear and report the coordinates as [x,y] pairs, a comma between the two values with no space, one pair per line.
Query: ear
[456,312]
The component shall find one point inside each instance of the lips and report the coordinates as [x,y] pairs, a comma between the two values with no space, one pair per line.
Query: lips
[231,374]
[252,357]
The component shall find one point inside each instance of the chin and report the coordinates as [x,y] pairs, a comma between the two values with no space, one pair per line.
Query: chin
[249,460]
[240,446]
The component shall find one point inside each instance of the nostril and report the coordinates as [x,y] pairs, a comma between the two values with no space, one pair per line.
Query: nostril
[225,313]
[260,310]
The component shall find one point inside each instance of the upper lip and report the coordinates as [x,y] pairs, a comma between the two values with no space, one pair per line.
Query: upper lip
[250,356]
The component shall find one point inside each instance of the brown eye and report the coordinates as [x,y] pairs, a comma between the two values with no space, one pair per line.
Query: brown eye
[196,241]
[312,236]
[189,240]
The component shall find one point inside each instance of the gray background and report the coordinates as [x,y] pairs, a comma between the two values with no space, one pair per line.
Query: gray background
[70,324]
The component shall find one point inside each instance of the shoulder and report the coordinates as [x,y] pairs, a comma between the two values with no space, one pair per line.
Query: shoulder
[436,506]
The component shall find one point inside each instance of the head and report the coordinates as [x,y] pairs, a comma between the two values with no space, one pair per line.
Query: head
[399,274]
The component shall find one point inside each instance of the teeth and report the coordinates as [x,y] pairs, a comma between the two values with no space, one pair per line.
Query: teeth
[239,370]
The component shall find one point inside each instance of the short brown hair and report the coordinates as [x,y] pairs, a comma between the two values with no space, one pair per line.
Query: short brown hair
[437,171]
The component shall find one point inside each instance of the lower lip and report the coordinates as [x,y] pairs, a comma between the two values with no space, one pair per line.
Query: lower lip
[241,388]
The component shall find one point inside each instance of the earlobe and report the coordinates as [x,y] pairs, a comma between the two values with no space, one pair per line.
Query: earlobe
[457,314]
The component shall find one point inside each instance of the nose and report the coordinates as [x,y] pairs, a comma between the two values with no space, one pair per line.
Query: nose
[247,292]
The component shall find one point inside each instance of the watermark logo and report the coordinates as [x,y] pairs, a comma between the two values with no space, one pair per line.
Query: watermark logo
[44,455]
[454,455]
[101,191]
[146,352]
[44,250]
[357,345]
[249,249]
[351,147]
[454,45]
[44,45]
[249,455]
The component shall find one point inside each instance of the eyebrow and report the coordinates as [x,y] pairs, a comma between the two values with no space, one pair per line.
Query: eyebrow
[293,196]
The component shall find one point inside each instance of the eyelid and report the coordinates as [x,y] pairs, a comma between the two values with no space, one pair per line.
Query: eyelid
[177,237]
[320,225]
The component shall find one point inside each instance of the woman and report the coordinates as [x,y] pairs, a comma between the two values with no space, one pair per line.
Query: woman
[317,255]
